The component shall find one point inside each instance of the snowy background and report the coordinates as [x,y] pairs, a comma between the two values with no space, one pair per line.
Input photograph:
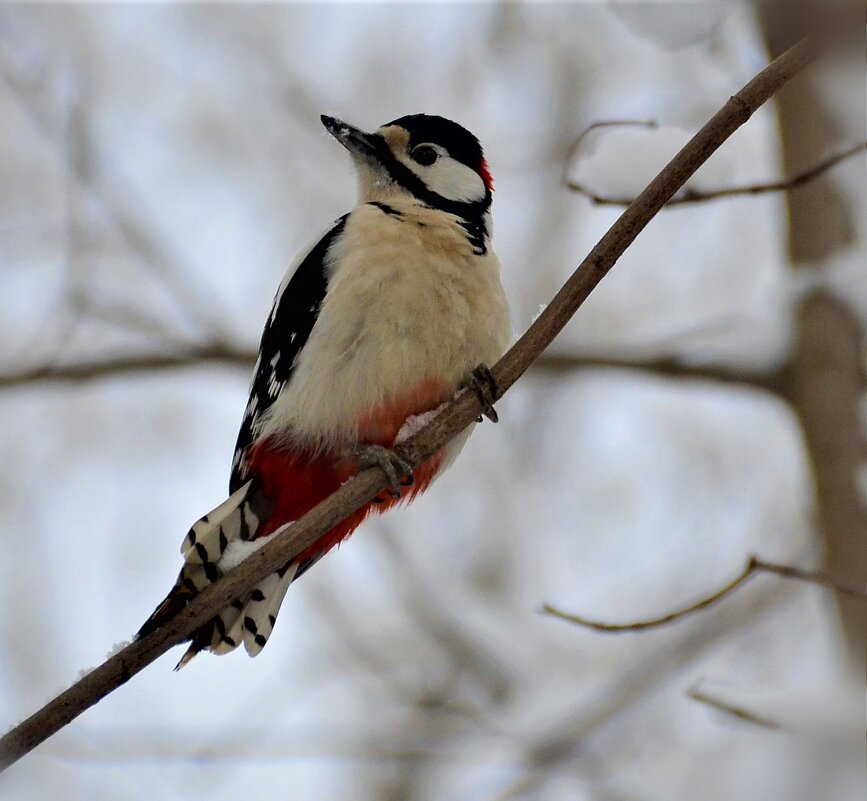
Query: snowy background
[159,167]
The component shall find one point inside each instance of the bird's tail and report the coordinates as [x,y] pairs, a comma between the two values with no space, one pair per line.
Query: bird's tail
[215,544]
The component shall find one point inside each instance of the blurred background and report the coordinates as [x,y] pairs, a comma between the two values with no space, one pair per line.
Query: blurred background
[159,168]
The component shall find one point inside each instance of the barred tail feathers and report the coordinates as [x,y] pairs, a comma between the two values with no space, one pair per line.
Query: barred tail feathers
[236,520]
[285,487]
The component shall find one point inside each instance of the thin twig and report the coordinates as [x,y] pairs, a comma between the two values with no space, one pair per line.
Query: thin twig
[291,539]
[698,196]
[810,577]
[753,567]
[665,367]
[652,623]
[562,743]
[736,711]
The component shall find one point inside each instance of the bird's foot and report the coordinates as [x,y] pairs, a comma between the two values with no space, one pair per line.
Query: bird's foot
[478,381]
[390,463]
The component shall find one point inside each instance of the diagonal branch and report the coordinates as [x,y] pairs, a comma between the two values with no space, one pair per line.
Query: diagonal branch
[753,567]
[698,196]
[293,538]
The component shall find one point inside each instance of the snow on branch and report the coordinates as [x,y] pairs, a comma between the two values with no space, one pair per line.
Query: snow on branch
[290,540]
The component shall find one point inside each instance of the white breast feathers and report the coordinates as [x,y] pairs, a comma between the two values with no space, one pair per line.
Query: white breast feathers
[407,300]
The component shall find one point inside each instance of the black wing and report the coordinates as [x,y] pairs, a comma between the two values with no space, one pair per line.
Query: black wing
[292,317]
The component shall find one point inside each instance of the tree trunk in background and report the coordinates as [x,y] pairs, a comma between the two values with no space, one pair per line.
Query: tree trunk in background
[826,376]
[827,382]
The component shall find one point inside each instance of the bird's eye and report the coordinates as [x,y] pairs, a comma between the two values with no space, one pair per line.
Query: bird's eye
[425,155]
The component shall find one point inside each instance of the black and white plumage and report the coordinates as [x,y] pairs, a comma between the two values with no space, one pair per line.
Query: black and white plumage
[292,317]
[378,324]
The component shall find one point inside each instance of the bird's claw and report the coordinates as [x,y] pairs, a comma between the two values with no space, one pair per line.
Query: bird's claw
[390,463]
[477,381]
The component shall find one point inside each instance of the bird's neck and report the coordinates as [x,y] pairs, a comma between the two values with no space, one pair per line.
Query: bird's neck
[478,224]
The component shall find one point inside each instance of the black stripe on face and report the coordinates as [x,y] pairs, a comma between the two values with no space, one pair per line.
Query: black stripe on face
[386,209]
[401,174]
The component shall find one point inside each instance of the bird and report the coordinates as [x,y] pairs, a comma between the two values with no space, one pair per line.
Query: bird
[397,307]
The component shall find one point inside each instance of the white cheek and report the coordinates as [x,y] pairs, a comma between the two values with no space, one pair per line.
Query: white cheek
[451,179]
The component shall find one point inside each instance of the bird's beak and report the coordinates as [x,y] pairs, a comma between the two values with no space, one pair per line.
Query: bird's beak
[356,141]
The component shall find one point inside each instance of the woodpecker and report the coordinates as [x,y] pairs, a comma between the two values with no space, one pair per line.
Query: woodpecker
[395,308]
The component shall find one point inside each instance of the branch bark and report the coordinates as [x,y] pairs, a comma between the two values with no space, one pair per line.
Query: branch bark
[291,539]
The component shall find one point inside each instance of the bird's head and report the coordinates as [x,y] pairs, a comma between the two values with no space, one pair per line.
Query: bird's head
[429,158]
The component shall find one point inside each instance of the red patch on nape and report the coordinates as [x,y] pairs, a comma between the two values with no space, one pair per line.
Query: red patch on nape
[485,173]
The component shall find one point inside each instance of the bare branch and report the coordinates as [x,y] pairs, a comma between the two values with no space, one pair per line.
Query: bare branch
[562,745]
[132,363]
[810,577]
[754,566]
[696,196]
[667,367]
[652,623]
[291,539]
[228,355]
[820,715]
[736,711]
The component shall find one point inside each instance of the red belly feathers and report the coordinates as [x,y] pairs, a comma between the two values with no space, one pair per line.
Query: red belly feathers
[295,480]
